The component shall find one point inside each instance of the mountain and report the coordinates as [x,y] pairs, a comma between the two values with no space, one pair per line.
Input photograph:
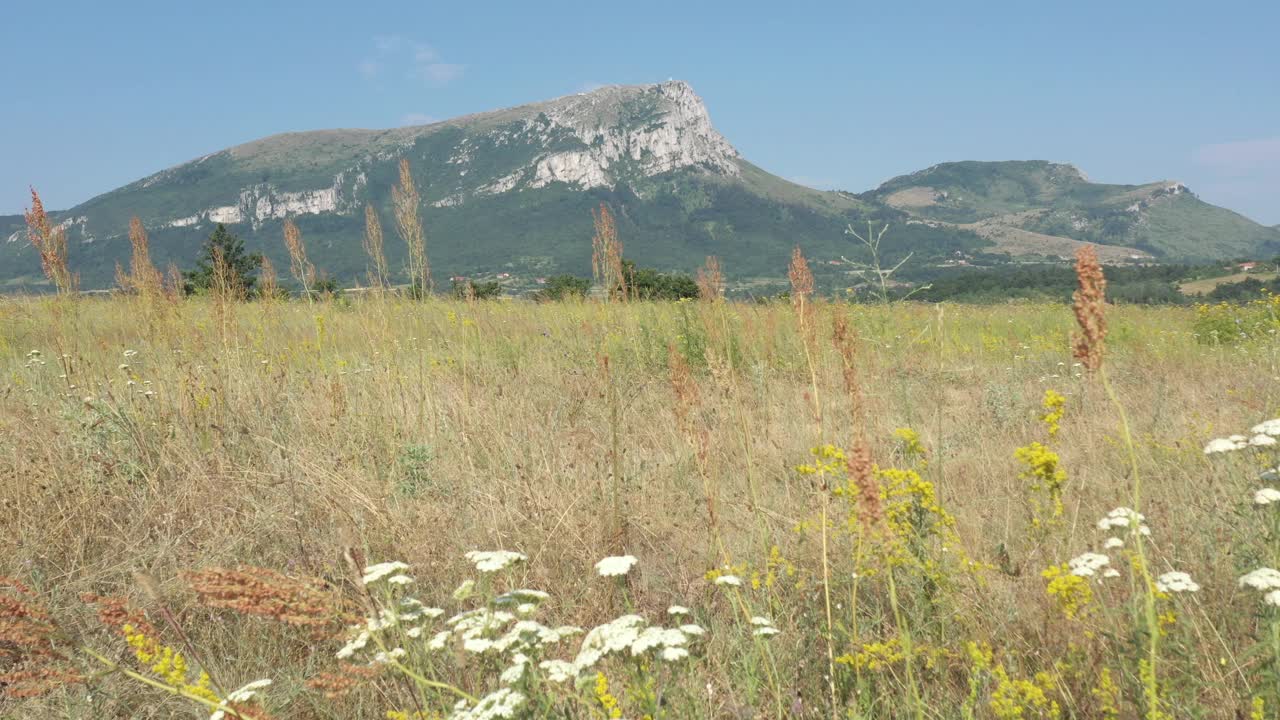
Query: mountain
[1040,206]
[511,191]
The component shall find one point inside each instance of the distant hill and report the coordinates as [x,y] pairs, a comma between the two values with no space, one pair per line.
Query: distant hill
[1021,205]
[512,190]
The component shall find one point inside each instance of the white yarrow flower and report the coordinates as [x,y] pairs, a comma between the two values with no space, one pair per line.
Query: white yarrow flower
[733,580]
[677,610]
[1270,427]
[1176,582]
[761,621]
[357,644]
[1272,598]
[1262,579]
[1261,440]
[672,654]
[487,561]
[1110,573]
[1114,543]
[374,573]
[615,566]
[1220,445]
[692,630]
[1087,564]
[558,671]
[1266,496]
[765,631]
[240,695]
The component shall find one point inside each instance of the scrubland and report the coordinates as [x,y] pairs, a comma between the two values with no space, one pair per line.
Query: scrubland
[834,510]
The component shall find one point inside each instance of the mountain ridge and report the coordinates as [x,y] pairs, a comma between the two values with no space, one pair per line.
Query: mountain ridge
[512,190]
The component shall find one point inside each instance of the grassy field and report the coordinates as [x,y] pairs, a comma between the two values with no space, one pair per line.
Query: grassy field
[143,442]
[1206,285]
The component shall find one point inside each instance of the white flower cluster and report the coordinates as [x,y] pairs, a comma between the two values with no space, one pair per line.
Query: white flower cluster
[616,566]
[1088,564]
[763,627]
[392,572]
[241,695]
[1176,582]
[1264,435]
[1266,496]
[505,634]
[489,561]
[1265,580]
[1123,517]
[501,703]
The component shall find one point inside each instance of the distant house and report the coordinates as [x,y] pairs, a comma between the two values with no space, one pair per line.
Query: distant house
[504,276]
[1246,266]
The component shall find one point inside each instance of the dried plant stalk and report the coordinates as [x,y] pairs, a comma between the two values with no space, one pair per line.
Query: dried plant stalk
[51,242]
[711,280]
[303,271]
[373,247]
[606,255]
[405,202]
[1089,305]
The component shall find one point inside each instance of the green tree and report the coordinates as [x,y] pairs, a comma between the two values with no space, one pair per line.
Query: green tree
[649,284]
[479,290]
[240,265]
[563,287]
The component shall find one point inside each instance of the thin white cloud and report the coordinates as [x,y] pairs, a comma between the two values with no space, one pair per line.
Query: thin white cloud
[415,118]
[419,61]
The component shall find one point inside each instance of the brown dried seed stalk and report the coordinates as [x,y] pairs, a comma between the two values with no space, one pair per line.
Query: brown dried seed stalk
[341,682]
[305,603]
[711,280]
[303,271]
[862,473]
[1089,303]
[606,255]
[843,337]
[373,248]
[404,203]
[51,242]
[800,276]
[32,662]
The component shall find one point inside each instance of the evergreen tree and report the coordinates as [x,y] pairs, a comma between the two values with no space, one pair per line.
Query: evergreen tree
[240,265]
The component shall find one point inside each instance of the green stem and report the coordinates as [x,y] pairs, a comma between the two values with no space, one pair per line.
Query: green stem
[907,649]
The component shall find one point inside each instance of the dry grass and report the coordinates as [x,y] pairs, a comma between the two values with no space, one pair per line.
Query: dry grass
[279,435]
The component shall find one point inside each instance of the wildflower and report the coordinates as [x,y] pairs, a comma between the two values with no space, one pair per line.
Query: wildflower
[385,657]
[691,629]
[1110,573]
[733,580]
[1270,427]
[350,648]
[464,590]
[615,566]
[487,561]
[1113,543]
[1220,445]
[243,694]
[677,610]
[374,573]
[672,654]
[1126,518]
[1086,564]
[1262,579]
[761,621]
[655,637]
[1070,590]
[439,640]
[1266,496]
[1054,408]
[1176,582]
[1262,439]
[501,703]
[558,670]
[1272,598]
[765,631]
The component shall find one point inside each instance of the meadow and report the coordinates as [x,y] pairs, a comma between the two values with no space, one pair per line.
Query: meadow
[424,509]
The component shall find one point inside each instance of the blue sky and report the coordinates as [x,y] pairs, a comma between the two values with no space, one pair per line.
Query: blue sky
[831,94]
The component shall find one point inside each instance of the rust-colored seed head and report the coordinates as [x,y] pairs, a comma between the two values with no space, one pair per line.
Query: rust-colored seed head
[606,255]
[30,662]
[348,677]
[1089,303]
[711,280]
[800,276]
[842,336]
[265,593]
[862,473]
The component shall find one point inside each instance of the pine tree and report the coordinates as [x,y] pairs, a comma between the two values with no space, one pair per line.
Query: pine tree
[240,264]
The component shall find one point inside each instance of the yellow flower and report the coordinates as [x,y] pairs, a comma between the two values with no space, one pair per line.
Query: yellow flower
[1054,405]
[1072,592]
[607,701]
